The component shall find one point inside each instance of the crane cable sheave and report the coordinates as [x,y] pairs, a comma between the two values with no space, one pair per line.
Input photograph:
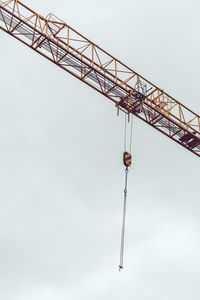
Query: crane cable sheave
[127,159]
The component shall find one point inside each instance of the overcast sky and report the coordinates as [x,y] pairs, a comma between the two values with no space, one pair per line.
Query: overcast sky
[61,170]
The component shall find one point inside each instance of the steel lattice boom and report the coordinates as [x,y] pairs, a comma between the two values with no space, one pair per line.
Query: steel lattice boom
[131,93]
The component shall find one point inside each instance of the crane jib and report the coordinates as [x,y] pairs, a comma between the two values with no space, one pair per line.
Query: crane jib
[132,93]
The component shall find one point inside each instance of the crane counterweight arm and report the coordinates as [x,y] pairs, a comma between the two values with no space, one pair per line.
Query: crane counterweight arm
[131,93]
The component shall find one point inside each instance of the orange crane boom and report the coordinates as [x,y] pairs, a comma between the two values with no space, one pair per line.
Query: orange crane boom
[131,92]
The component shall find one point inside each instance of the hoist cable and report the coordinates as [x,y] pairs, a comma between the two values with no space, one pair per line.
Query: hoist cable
[121,264]
[125,133]
[127,157]
[131,134]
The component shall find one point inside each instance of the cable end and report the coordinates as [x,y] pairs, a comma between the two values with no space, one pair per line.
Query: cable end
[120,268]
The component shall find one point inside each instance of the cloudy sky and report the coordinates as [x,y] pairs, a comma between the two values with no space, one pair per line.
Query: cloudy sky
[61,172]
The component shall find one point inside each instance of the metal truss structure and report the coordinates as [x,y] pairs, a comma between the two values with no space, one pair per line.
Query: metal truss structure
[131,93]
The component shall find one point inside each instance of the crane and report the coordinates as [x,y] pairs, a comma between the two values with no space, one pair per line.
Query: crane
[130,92]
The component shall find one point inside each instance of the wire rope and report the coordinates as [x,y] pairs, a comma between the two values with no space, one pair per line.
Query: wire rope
[121,264]
[131,133]
[125,128]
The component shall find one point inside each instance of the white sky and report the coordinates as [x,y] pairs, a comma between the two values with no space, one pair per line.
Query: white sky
[61,171]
